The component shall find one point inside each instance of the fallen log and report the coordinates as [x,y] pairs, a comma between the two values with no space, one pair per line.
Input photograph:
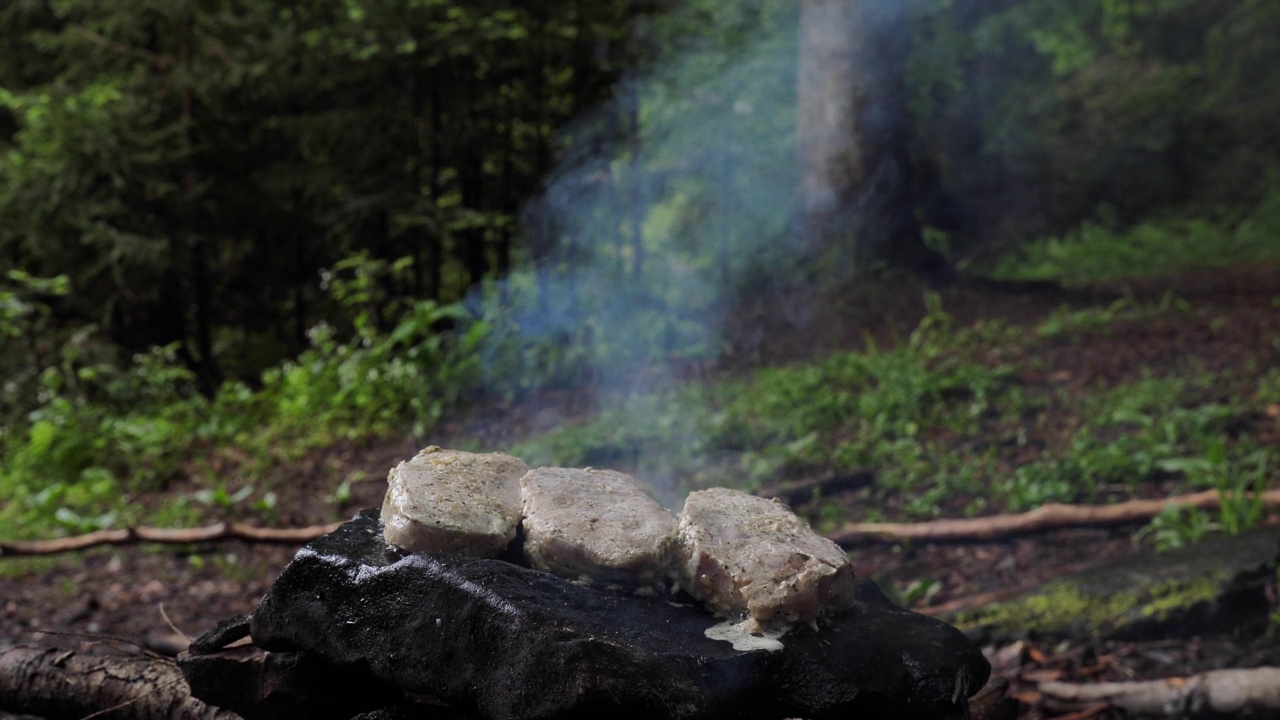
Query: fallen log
[51,682]
[1052,516]
[169,536]
[1220,692]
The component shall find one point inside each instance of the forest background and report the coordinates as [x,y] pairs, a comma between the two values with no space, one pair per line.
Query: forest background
[249,229]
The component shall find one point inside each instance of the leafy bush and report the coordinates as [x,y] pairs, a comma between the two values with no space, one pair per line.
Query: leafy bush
[97,431]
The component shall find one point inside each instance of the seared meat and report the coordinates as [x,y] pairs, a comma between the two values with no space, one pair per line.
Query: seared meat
[455,502]
[597,524]
[746,554]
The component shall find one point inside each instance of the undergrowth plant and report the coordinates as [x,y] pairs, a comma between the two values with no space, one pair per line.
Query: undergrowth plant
[947,423]
[103,431]
[952,419]
[1104,251]
[1239,479]
[872,408]
[1177,526]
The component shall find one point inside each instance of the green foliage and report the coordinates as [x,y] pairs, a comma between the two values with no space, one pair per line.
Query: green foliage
[877,408]
[375,380]
[1062,110]
[1098,252]
[100,433]
[173,180]
[342,494]
[917,592]
[31,340]
[1131,434]
[1238,477]
[221,498]
[1177,526]
[1269,388]
[945,424]
[1068,324]
[191,169]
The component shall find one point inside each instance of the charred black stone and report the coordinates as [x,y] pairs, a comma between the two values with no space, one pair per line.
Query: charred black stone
[504,642]
[260,685]
[222,634]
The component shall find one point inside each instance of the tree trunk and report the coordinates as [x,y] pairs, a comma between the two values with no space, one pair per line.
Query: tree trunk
[202,300]
[858,192]
[830,88]
[509,198]
[413,241]
[300,280]
[435,236]
[210,374]
[637,188]
[474,253]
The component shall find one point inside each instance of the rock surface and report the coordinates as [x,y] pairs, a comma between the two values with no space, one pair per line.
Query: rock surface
[504,642]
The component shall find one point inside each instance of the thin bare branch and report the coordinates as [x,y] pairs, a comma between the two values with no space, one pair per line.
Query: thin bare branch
[166,536]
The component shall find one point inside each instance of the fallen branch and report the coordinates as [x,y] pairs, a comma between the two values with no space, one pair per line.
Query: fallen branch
[1052,516]
[804,491]
[50,682]
[165,536]
[1225,692]
[996,527]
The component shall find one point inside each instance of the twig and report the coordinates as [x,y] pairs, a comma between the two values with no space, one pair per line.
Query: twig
[171,625]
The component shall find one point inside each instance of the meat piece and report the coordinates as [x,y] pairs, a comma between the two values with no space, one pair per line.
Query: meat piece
[746,554]
[597,524]
[448,501]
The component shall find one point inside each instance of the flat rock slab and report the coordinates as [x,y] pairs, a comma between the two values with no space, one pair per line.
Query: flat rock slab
[1218,585]
[504,642]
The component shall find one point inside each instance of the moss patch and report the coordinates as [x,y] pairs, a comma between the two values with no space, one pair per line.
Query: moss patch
[1216,585]
[1065,607]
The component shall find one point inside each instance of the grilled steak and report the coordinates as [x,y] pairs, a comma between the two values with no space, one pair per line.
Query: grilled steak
[455,502]
[597,524]
[746,554]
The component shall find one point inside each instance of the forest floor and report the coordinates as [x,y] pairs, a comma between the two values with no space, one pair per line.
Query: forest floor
[147,594]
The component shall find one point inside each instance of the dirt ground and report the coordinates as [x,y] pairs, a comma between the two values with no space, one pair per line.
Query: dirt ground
[154,595]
